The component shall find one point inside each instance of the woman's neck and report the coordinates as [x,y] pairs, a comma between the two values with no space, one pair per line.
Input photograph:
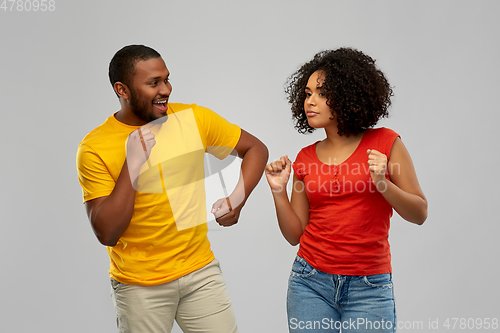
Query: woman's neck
[333,139]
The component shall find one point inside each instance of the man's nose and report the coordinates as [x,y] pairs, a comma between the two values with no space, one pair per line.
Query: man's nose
[165,89]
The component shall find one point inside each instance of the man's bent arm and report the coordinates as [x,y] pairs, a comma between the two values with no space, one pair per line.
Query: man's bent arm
[254,154]
[111,215]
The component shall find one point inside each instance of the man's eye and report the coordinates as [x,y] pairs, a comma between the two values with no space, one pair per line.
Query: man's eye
[153,83]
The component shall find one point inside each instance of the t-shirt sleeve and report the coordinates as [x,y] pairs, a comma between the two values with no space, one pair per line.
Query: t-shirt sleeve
[389,136]
[221,135]
[93,175]
[299,165]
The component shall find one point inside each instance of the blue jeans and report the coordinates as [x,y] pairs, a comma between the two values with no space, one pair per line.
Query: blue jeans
[322,302]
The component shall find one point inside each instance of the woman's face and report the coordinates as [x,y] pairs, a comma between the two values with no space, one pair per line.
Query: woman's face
[317,111]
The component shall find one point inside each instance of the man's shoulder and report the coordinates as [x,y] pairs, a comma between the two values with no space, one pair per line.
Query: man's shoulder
[177,107]
[203,115]
[197,109]
[104,133]
[95,132]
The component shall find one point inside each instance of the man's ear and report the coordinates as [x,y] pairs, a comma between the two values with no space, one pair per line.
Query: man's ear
[122,90]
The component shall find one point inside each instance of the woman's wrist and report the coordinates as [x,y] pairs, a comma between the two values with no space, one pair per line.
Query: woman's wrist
[280,193]
[382,185]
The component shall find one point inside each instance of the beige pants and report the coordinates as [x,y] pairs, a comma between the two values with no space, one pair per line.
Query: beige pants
[199,302]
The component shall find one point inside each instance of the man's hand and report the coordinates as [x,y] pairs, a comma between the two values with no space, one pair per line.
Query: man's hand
[224,213]
[139,145]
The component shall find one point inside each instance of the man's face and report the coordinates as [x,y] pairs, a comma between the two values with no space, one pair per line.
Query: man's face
[150,90]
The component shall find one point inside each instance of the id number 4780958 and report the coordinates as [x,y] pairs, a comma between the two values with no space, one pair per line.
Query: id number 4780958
[28,5]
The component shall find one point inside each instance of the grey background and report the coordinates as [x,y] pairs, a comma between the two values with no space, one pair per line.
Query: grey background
[234,57]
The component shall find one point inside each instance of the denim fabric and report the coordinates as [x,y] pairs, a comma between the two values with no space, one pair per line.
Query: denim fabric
[322,302]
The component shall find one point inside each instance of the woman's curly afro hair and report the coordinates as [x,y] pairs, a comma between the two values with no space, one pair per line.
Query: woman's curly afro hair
[356,90]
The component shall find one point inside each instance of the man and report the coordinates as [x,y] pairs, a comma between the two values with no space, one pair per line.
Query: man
[144,196]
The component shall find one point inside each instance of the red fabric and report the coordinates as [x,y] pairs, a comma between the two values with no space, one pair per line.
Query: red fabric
[348,227]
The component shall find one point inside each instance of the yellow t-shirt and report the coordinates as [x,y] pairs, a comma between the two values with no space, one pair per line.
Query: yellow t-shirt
[167,236]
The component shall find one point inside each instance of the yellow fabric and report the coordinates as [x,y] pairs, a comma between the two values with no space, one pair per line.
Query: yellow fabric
[167,236]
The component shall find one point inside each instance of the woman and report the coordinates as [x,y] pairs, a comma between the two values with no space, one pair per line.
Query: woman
[344,190]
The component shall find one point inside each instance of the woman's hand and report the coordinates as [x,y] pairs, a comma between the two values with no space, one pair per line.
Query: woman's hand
[378,167]
[402,191]
[278,173]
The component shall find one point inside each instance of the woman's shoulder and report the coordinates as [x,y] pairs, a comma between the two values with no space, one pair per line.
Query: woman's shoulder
[307,152]
[382,132]
[382,139]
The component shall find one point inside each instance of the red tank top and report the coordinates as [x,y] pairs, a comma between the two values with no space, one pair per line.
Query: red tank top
[348,227]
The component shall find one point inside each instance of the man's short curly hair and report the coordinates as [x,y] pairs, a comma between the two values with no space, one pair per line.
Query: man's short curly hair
[356,90]
[122,65]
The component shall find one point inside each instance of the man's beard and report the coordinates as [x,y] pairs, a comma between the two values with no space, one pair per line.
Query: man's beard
[140,109]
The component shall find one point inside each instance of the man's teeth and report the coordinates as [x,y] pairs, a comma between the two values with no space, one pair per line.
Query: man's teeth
[160,102]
